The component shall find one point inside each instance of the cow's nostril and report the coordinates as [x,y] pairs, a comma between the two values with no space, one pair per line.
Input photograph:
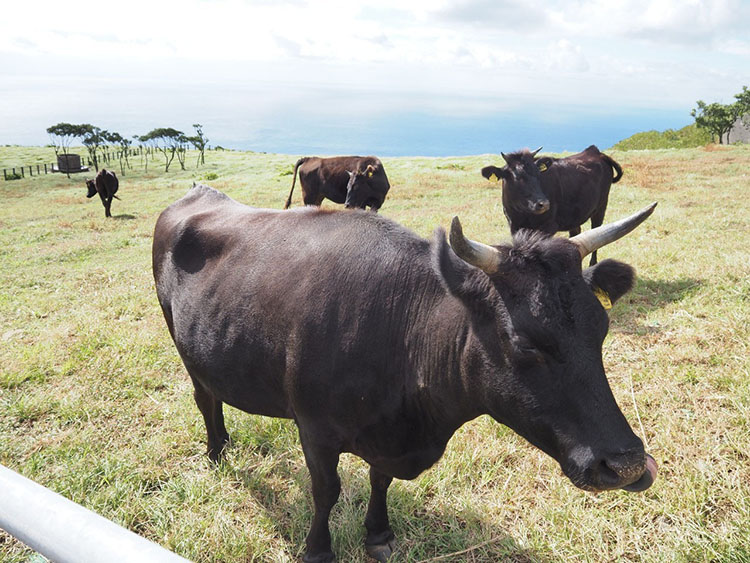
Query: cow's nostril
[606,475]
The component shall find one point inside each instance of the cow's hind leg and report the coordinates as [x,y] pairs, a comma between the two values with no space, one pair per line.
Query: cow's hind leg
[597,218]
[213,415]
[106,205]
[322,462]
[380,541]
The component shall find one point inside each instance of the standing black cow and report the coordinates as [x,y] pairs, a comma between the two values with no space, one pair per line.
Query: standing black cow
[402,342]
[555,194]
[106,185]
[355,181]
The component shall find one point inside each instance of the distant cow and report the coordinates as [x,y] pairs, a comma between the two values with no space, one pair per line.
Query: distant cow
[555,194]
[355,181]
[105,184]
[403,341]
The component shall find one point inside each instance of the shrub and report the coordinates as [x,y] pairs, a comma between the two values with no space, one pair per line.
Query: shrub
[687,137]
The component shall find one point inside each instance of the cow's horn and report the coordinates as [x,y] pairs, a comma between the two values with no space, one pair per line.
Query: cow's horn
[594,239]
[536,151]
[475,253]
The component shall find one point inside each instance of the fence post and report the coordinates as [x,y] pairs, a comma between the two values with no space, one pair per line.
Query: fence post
[5,175]
[45,167]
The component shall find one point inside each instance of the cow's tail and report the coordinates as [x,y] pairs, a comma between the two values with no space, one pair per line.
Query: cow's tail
[294,179]
[609,160]
[116,196]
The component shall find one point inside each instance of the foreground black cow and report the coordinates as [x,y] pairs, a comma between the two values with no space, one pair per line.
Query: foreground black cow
[105,184]
[404,341]
[355,181]
[555,194]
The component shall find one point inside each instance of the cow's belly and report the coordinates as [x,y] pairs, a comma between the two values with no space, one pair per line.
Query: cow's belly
[232,358]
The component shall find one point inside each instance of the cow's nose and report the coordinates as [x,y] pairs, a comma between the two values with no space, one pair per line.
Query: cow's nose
[541,206]
[618,470]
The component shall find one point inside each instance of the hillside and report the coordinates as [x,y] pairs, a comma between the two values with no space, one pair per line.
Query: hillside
[689,136]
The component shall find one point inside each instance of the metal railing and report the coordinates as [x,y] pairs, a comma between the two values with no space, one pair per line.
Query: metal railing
[66,532]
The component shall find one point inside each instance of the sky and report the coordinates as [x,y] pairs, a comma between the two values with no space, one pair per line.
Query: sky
[424,77]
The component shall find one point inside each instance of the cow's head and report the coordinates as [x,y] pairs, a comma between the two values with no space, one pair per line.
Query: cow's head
[92,188]
[360,191]
[537,356]
[522,189]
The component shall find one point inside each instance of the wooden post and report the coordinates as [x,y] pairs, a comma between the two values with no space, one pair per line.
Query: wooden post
[5,175]
[45,167]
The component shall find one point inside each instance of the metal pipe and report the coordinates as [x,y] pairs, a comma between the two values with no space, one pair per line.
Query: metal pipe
[66,532]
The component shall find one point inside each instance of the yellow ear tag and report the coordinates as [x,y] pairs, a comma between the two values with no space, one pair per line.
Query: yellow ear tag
[492,178]
[603,297]
[542,167]
[369,174]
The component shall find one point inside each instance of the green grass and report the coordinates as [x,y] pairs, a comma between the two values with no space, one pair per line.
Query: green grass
[95,404]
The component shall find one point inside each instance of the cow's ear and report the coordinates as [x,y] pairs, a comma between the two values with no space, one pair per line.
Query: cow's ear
[469,284]
[609,280]
[493,173]
[543,162]
[370,170]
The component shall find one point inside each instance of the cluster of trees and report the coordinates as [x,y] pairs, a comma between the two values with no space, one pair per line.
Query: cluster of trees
[718,118]
[97,141]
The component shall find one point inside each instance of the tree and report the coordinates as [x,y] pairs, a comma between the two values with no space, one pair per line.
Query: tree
[743,100]
[182,149]
[199,141]
[167,140]
[123,144]
[62,135]
[717,118]
[93,139]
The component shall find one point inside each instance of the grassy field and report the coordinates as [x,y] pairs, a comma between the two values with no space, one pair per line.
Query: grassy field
[95,404]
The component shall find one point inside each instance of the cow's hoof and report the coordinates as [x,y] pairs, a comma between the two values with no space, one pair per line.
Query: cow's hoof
[382,551]
[326,557]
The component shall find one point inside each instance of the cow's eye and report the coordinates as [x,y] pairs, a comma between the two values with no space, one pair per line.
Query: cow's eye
[526,353]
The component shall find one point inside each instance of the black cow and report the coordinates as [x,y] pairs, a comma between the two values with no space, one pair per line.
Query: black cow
[106,185]
[355,181]
[555,194]
[402,342]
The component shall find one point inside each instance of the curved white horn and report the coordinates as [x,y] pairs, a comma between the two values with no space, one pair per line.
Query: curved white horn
[484,257]
[594,239]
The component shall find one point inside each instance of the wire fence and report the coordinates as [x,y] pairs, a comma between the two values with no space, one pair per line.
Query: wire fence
[106,157]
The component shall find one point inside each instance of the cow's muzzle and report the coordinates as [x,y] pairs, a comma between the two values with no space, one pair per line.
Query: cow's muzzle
[632,471]
[540,206]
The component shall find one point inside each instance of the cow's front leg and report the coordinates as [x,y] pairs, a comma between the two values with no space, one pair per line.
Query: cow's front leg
[322,462]
[380,541]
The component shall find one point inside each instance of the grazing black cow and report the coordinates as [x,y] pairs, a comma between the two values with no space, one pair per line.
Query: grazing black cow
[380,343]
[355,181]
[555,194]
[106,185]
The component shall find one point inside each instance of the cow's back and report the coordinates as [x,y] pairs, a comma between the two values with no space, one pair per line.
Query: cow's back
[251,297]
[577,186]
